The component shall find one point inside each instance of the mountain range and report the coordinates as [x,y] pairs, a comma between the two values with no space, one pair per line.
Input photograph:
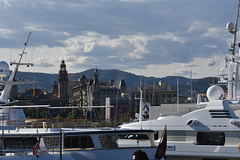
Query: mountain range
[45,80]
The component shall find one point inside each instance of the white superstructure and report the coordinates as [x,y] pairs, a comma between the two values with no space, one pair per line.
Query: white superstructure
[77,143]
[209,132]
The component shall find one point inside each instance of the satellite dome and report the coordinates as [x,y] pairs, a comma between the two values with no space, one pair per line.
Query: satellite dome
[215,93]
[230,26]
[4,69]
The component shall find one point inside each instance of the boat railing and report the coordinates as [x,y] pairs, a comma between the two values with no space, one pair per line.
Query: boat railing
[4,119]
[19,150]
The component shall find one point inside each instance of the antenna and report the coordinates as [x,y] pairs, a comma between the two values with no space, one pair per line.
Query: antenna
[231,29]
[230,74]
[12,77]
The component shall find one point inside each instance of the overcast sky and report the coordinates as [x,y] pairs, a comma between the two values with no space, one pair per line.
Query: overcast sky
[145,37]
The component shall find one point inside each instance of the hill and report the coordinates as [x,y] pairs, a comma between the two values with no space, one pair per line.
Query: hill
[45,80]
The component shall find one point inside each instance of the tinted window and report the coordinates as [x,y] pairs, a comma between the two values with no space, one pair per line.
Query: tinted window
[19,143]
[156,136]
[135,136]
[78,142]
[211,138]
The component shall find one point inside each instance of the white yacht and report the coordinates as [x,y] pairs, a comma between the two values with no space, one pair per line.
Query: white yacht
[77,143]
[209,133]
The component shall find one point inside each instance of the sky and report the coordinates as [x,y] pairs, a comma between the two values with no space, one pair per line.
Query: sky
[146,37]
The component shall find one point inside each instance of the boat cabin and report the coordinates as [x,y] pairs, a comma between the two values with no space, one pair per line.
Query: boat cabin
[79,143]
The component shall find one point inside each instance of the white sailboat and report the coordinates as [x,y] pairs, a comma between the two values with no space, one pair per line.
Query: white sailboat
[212,132]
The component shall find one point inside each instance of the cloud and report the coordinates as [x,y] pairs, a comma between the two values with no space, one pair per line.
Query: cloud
[5,32]
[82,59]
[211,46]
[35,27]
[133,46]
[182,72]
[132,34]
[5,3]
[172,37]
[66,34]
[213,32]
[84,43]
[43,62]
[196,25]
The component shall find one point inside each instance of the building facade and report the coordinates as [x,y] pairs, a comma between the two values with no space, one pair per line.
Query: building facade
[63,81]
[93,93]
[155,95]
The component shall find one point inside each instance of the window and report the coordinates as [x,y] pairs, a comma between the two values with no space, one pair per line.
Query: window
[135,136]
[156,136]
[78,142]
[134,140]
[19,143]
[211,138]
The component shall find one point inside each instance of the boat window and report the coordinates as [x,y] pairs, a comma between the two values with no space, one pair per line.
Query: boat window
[19,143]
[134,136]
[211,138]
[78,142]
[156,136]
[134,140]
[179,136]
[108,141]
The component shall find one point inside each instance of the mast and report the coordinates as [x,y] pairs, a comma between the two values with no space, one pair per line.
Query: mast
[235,32]
[232,63]
[140,105]
[235,69]
[12,77]
[8,84]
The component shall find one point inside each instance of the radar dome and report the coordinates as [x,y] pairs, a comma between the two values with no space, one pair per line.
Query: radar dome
[215,93]
[4,69]
[230,26]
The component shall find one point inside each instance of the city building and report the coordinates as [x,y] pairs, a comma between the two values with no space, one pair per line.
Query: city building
[155,95]
[63,81]
[93,93]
